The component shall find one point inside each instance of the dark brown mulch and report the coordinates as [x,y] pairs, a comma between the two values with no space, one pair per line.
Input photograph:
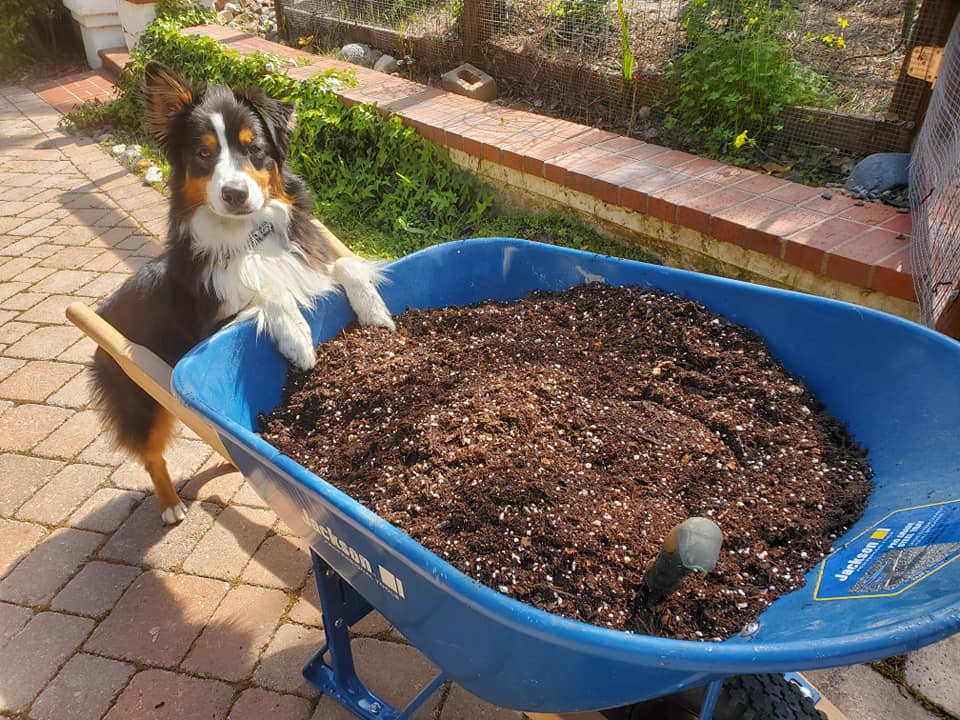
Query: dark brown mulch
[545,448]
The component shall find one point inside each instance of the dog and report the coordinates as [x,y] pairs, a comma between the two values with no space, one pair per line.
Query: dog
[241,244]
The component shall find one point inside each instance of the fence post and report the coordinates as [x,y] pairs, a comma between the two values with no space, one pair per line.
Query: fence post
[931,28]
[476,27]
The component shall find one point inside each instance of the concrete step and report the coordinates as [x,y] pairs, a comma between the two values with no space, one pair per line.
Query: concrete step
[114,60]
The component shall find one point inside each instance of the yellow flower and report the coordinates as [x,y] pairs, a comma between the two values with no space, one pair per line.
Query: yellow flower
[752,21]
[841,43]
[828,39]
[842,22]
[740,140]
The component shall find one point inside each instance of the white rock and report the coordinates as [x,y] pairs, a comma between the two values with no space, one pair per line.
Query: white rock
[153,175]
[225,15]
[118,150]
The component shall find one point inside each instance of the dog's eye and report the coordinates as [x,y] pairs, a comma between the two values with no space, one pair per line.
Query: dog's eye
[204,153]
[255,151]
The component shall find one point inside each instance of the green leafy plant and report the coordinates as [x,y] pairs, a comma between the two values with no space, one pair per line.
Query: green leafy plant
[184,13]
[737,76]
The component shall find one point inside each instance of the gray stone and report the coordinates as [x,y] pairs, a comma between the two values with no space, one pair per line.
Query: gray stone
[225,15]
[861,693]
[357,53]
[153,174]
[879,172]
[932,671]
[387,64]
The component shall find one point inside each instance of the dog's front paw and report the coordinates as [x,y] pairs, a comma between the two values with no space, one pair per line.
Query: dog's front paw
[377,317]
[173,515]
[301,355]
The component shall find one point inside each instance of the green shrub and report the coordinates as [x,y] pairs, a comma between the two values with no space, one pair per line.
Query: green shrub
[737,76]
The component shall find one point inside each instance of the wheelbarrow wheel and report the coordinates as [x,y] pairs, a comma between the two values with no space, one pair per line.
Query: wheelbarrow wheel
[744,697]
[764,697]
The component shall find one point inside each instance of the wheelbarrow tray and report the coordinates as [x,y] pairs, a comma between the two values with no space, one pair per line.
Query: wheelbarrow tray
[894,383]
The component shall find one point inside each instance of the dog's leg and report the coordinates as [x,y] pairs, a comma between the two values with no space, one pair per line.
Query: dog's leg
[139,425]
[285,325]
[359,279]
[172,509]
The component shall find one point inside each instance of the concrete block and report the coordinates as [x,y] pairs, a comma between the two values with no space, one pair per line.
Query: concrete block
[470,81]
[932,671]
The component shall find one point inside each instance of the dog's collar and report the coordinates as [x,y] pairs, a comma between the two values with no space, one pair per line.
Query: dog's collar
[258,235]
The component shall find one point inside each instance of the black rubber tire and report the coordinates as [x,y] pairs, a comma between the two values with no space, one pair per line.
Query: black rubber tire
[764,697]
[744,697]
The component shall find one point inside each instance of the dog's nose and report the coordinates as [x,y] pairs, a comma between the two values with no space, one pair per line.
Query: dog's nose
[234,196]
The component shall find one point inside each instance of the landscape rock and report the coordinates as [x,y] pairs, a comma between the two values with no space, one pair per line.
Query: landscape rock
[387,64]
[225,16]
[356,53]
[878,173]
[118,150]
[153,175]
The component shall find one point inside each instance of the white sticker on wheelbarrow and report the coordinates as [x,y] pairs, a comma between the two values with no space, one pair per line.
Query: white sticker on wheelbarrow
[902,549]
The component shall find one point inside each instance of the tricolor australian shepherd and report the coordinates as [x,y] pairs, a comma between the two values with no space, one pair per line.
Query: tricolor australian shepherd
[241,244]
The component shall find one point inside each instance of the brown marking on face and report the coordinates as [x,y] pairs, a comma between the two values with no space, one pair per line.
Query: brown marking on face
[261,178]
[276,186]
[210,140]
[195,190]
[245,136]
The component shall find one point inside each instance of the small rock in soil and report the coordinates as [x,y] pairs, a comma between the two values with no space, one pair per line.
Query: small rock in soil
[546,448]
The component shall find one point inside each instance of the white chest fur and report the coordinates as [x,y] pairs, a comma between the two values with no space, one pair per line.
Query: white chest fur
[246,274]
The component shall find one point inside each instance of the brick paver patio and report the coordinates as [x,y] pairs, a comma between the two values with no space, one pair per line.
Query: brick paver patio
[104,612]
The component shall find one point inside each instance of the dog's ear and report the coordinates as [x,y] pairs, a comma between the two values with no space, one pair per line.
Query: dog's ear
[277,117]
[165,95]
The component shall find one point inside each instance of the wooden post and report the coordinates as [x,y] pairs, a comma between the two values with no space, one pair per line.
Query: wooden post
[477,17]
[931,29]
[281,25]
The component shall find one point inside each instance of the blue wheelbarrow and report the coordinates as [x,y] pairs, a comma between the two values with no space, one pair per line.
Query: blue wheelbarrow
[890,586]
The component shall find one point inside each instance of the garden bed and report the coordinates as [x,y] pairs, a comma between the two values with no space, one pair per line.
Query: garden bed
[546,448]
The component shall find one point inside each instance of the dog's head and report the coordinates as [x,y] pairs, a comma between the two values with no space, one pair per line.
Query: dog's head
[226,149]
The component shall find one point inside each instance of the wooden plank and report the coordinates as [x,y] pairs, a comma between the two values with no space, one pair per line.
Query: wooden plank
[932,28]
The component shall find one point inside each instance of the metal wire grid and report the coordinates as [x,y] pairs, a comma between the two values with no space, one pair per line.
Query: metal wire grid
[935,192]
[858,44]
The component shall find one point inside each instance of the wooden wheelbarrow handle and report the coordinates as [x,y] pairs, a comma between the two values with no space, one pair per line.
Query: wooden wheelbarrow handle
[145,368]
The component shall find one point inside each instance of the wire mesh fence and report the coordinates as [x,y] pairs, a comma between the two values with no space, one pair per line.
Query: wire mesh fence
[935,198]
[692,73]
